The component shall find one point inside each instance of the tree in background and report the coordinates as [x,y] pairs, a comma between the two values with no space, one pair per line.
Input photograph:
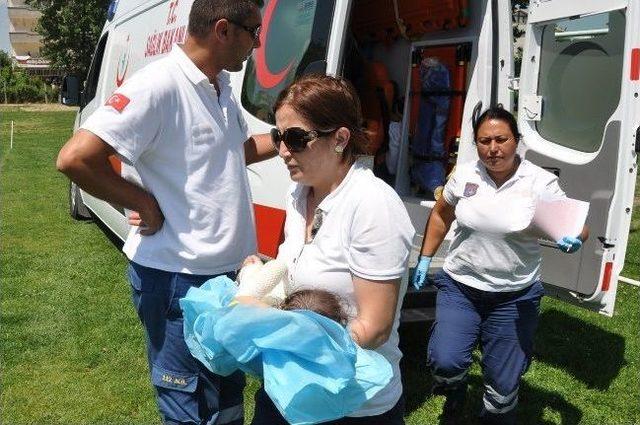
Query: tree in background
[70,31]
[16,86]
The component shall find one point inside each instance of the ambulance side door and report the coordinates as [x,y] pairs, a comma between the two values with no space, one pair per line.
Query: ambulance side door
[578,113]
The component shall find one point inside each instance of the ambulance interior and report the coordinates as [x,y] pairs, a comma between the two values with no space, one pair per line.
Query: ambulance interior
[410,62]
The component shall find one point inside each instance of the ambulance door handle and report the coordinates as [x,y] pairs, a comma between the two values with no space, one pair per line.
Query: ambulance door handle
[605,243]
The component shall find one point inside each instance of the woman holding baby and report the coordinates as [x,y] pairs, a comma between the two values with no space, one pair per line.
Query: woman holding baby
[346,232]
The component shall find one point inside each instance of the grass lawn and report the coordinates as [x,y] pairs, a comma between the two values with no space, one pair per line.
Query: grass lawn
[72,350]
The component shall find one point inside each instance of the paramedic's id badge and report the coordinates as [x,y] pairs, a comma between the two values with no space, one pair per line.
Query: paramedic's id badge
[470,189]
[118,102]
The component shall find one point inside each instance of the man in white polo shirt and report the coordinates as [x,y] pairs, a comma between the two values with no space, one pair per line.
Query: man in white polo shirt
[184,144]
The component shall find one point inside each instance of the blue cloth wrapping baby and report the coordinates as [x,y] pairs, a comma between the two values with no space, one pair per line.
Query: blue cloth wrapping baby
[312,369]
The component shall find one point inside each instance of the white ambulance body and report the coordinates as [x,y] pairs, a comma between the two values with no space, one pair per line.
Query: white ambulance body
[579,109]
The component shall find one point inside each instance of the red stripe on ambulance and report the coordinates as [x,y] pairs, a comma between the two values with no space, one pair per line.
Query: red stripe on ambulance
[635,64]
[606,277]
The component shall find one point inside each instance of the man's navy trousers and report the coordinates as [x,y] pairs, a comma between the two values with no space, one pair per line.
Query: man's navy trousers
[187,392]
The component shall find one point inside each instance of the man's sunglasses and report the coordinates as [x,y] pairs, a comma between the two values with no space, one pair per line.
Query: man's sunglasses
[296,138]
[254,31]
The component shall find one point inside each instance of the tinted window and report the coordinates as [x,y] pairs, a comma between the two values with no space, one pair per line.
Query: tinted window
[91,85]
[582,63]
[295,39]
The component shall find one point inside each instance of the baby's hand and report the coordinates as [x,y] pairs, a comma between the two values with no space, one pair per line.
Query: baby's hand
[250,300]
[252,259]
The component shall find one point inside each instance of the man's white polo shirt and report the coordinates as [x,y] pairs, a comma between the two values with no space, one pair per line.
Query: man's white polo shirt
[365,231]
[184,144]
[492,249]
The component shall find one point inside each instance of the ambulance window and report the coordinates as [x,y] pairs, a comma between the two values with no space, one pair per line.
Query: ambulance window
[296,36]
[91,85]
[581,76]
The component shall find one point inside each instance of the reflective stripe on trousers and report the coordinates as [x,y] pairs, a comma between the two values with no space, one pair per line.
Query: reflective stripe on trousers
[503,324]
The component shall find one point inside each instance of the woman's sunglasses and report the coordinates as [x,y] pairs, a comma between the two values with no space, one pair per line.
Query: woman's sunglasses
[296,139]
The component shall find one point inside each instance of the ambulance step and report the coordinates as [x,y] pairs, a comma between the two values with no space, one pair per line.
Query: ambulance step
[425,297]
[416,315]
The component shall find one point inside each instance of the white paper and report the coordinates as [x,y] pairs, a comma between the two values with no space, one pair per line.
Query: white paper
[564,217]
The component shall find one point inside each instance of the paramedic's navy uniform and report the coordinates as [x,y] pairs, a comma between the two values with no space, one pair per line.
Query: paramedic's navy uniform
[489,289]
[184,144]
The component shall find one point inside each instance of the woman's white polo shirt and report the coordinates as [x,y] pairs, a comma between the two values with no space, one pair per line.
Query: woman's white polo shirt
[365,231]
[493,248]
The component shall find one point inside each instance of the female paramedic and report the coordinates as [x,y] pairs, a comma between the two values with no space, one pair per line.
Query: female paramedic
[346,231]
[489,289]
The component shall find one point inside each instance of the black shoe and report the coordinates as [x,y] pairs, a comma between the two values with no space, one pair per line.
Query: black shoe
[453,404]
[452,411]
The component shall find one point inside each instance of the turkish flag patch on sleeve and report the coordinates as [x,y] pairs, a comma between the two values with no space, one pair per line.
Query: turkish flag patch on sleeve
[118,102]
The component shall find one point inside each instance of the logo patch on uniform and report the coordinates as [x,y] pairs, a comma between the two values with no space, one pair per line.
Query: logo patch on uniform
[470,189]
[118,102]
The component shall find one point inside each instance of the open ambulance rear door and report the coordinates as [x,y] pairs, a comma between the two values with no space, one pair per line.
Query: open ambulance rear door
[579,113]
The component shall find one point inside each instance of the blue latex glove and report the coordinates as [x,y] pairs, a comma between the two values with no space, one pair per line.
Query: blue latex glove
[569,244]
[420,273]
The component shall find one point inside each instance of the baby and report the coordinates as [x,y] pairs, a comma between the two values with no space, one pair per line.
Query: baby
[264,285]
[322,302]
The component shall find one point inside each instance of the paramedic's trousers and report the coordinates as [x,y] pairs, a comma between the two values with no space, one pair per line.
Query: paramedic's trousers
[503,323]
[187,392]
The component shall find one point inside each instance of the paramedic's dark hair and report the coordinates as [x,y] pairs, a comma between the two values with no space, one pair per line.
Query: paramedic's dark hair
[327,103]
[205,13]
[316,300]
[500,114]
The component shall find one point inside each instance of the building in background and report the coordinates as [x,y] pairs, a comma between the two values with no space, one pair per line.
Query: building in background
[20,40]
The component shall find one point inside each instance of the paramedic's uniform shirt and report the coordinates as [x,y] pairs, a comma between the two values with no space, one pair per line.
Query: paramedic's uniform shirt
[492,250]
[186,146]
[366,232]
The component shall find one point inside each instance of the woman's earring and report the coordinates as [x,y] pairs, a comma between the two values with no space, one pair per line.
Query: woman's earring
[339,149]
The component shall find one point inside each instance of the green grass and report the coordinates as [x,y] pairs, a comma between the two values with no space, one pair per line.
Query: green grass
[72,350]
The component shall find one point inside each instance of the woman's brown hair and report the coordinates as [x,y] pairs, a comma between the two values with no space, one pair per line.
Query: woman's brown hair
[328,103]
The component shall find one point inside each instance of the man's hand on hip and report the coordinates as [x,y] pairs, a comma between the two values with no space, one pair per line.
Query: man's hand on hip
[149,218]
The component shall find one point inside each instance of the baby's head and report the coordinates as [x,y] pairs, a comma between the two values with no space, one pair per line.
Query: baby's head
[316,300]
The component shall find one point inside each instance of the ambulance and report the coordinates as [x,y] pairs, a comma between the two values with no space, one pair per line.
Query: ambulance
[425,69]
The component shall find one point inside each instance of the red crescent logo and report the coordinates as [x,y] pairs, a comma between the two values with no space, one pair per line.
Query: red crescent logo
[120,78]
[265,77]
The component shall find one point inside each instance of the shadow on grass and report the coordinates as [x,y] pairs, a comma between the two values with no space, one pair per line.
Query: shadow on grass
[534,401]
[416,378]
[587,352]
